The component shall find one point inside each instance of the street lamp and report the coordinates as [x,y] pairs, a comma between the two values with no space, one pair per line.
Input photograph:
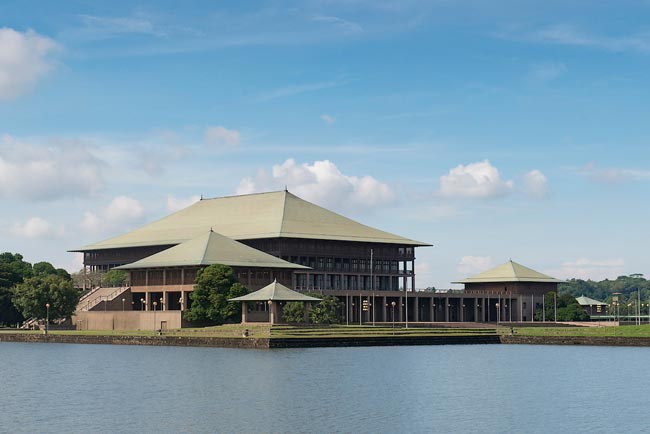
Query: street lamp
[123,300]
[155,303]
[498,313]
[142,301]
[47,318]
[392,303]
[270,303]
[162,304]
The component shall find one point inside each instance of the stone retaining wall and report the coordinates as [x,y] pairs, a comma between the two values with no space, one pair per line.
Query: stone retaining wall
[265,343]
[617,341]
[178,341]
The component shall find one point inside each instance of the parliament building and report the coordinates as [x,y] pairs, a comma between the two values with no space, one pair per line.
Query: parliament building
[279,236]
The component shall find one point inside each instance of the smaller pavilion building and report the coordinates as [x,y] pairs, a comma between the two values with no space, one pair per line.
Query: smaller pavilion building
[513,291]
[265,305]
[594,308]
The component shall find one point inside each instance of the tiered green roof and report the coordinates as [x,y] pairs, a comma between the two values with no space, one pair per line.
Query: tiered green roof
[586,301]
[275,292]
[211,248]
[510,272]
[263,215]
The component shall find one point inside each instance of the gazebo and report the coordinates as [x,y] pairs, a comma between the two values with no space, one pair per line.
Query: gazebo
[272,295]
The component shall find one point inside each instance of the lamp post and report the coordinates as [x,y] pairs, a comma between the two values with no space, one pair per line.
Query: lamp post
[270,303]
[498,312]
[392,303]
[123,300]
[142,301]
[47,318]
[155,303]
[162,304]
[105,301]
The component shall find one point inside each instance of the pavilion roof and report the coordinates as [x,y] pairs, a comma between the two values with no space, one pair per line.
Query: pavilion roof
[586,301]
[276,292]
[252,216]
[510,272]
[211,248]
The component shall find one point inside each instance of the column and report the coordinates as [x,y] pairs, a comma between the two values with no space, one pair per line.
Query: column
[165,299]
[413,276]
[462,309]
[146,300]
[400,309]
[446,308]
[416,311]
[476,319]
[244,312]
[383,309]
[432,309]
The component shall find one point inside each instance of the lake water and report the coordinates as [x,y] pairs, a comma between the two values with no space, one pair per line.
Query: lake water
[59,388]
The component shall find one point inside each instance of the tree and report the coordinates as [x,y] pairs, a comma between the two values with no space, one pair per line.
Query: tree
[214,285]
[43,269]
[31,297]
[13,270]
[115,278]
[293,312]
[326,312]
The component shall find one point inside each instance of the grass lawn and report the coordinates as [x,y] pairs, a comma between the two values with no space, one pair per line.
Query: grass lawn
[623,331]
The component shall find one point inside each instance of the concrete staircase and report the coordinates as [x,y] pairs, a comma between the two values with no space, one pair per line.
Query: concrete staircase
[96,299]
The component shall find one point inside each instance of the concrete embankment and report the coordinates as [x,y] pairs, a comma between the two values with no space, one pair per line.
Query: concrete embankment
[365,341]
[613,341]
[176,341]
[383,341]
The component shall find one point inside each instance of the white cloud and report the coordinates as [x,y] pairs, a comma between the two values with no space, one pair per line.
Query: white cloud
[47,172]
[321,182]
[110,26]
[36,227]
[614,174]
[221,136]
[536,184]
[563,34]
[475,180]
[586,269]
[327,119]
[177,203]
[343,24]
[24,59]
[470,265]
[547,71]
[300,88]
[121,211]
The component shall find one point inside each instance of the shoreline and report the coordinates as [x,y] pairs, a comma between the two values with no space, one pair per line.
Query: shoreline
[359,341]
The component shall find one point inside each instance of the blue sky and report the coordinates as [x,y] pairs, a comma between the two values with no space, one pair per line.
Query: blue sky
[493,130]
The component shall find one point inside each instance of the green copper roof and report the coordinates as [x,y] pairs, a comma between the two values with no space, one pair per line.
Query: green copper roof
[276,292]
[510,272]
[211,248]
[586,301]
[263,215]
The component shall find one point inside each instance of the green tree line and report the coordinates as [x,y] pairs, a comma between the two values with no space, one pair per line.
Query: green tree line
[25,289]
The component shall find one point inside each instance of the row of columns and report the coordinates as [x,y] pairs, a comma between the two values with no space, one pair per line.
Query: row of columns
[162,303]
[518,308]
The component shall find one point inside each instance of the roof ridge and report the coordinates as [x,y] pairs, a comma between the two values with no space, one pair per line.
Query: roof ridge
[207,243]
[284,211]
[240,195]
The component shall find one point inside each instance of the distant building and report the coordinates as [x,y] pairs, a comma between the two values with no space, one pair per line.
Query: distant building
[593,307]
[518,286]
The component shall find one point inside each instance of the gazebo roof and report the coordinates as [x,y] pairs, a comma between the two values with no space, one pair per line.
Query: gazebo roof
[510,272]
[275,292]
[211,248]
[586,301]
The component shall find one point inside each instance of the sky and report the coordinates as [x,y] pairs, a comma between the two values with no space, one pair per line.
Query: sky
[492,130]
